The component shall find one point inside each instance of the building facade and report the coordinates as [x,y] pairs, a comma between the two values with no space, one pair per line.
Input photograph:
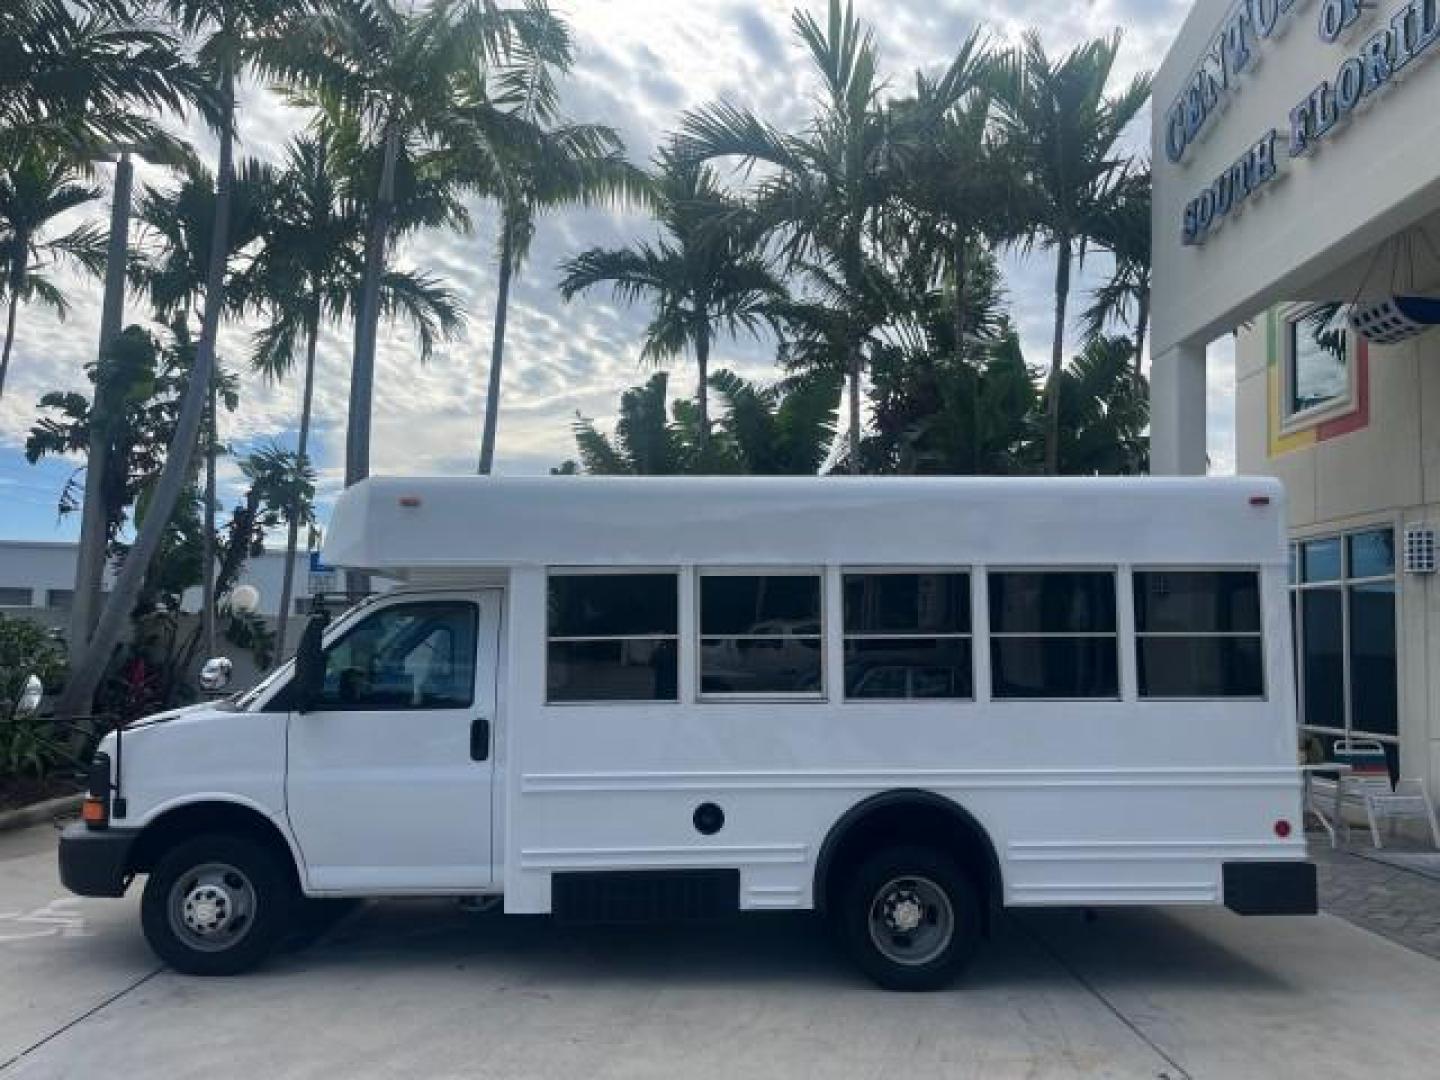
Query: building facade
[1296,148]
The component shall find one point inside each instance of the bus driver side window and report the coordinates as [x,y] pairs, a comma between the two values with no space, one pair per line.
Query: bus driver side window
[408,656]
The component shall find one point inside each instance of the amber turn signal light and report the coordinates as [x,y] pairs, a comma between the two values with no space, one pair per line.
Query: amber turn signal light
[94,812]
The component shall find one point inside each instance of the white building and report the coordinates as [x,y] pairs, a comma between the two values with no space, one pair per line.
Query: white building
[1296,150]
[37,578]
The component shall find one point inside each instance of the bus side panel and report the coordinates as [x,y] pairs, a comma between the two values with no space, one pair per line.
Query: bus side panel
[1087,802]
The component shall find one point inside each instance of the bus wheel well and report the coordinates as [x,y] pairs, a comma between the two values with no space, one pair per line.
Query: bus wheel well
[196,819]
[907,818]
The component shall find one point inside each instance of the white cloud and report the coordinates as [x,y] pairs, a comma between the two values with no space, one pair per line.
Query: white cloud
[641,63]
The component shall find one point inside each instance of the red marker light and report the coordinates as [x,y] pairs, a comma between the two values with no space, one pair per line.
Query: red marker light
[1282,828]
[410,501]
[1259,500]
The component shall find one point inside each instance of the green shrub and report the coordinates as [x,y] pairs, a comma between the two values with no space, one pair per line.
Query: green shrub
[29,745]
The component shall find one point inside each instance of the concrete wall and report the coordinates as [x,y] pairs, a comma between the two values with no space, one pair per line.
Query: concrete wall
[1386,472]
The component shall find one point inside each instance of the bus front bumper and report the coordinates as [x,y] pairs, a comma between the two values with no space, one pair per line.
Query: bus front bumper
[1270,888]
[95,862]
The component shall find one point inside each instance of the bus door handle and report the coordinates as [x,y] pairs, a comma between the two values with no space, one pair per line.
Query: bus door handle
[480,739]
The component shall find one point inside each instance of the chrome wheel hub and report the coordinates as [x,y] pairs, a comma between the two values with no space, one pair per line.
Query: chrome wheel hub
[212,907]
[911,920]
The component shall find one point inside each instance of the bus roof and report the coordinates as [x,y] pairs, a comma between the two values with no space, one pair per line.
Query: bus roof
[403,526]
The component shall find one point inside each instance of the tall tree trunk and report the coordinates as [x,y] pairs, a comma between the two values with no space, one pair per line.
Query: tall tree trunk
[1057,357]
[1142,323]
[207,536]
[497,345]
[367,321]
[854,437]
[287,582]
[9,330]
[960,255]
[95,511]
[702,390]
[85,676]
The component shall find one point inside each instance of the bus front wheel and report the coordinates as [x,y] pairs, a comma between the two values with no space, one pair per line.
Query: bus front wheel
[216,905]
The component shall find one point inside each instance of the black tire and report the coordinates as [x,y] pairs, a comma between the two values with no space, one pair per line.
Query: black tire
[894,888]
[232,902]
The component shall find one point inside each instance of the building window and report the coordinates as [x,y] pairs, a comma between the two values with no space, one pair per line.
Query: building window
[907,635]
[761,634]
[1053,634]
[1344,614]
[612,637]
[1317,366]
[59,598]
[1197,634]
[15,596]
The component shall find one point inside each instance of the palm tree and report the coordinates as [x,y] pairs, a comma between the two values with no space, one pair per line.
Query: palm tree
[309,272]
[1062,129]
[76,75]
[1124,231]
[705,276]
[782,429]
[830,185]
[956,189]
[182,219]
[516,148]
[33,193]
[1105,404]
[392,77]
[228,36]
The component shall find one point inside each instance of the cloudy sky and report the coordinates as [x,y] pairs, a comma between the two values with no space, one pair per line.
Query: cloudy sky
[640,64]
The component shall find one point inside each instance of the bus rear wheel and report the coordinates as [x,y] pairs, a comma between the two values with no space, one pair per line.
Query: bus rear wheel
[911,918]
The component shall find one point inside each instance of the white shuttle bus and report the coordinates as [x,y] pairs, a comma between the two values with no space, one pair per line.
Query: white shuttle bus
[904,703]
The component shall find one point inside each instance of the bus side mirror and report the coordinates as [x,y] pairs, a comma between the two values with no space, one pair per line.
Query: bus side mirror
[310,664]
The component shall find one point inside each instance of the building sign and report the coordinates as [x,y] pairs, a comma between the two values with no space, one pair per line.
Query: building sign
[1408,34]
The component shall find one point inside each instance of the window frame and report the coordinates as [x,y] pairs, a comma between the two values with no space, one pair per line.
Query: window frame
[970,573]
[611,571]
[1297,586]
[821,574]
[1119,574]
[1138,635]
[1341,405]
[474,608]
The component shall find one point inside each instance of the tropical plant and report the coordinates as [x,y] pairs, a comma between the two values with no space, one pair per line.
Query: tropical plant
[29,745]
[958,198]
[1062,129]
[34,191]
[181,223]
[1104,411]
[228,36]
[309,271]
[389,78]
[513,145]
[705,276]
[828,189]
[133,411]
[828,185]
[78,76]
[785,428]
[952,394]
[1123,230]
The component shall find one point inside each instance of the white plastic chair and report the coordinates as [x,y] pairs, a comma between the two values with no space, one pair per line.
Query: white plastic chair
[1368,785]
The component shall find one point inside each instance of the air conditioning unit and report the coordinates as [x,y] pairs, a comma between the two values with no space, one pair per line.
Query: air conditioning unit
[1420,549]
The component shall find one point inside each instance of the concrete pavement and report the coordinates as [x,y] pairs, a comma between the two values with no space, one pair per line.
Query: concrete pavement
[423,989]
